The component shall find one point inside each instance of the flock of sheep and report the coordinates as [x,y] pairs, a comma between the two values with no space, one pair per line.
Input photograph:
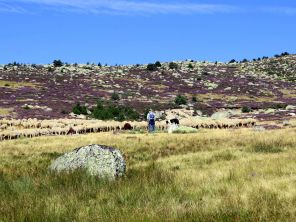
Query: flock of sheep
[14,129]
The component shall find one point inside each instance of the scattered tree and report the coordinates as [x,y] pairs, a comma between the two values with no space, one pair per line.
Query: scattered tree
[57,63]
[246,109]
[285,54]
[157,64]
[50,69]
[190,66]
[114,112]
[151,67]
[78,109]
[173,65]
[181,100]
[194,99]
[115,96]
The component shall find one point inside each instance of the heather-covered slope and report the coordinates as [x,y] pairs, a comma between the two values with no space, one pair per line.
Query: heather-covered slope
[50,92]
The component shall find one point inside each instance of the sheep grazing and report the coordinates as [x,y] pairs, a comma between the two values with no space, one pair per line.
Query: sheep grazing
[127,126]
[174,121]
[13,129]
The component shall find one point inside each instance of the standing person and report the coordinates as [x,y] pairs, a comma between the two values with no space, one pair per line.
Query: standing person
[151,121]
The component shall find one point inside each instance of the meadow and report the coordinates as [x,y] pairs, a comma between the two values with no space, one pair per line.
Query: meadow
[211,175]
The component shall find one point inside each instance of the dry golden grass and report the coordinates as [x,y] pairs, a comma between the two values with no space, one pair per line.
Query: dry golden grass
[12,84]
[4,112]
[213,96]
[288,93]
[213,175]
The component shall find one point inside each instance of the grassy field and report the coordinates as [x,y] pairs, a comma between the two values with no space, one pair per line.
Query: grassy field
[212,175]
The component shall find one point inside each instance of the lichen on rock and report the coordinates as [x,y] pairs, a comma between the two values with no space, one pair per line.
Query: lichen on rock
[97,160]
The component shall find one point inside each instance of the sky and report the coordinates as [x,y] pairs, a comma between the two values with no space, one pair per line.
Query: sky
[140,32]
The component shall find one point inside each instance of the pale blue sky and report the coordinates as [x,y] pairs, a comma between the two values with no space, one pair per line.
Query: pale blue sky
[130,32]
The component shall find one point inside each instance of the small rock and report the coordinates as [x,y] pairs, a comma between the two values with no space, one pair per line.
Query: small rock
[290,107]
[259,129]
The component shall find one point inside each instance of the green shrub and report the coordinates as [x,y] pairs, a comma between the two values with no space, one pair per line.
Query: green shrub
[173,65]
[26,107]
[190,66]
[279,106]
[246,109]
[115,97]
[114,112]
[267,147]
[194,99]
[157,64]
[57,63]
[181,100]
[285,54]
[151,67]
[78,109]
[50,69]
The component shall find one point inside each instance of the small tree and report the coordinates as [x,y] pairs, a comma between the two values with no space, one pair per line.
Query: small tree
[151,67]
[115,96]
[157,64]
[57,63]
[246,109]
[78,109]
[232,61]
[285,54]
[173,65]
[50,69]
[194,99]
[190,66]
[181,100]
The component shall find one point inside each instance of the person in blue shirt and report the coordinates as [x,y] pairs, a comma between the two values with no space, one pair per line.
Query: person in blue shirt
[151,121]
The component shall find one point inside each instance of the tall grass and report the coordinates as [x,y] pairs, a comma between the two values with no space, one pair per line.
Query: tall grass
[208,176]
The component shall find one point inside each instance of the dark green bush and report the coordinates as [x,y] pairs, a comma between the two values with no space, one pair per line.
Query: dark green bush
[285,54]
[194,99]
[246,109]
[151,67]
[50,69]
[157,64]
[115,97]
[58,63]
[173,65]
[279,106]
[27,107]
[181,100]
[114,112]
[78,109]
[190,66]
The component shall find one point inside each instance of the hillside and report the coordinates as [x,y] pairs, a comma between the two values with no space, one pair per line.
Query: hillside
[48,91]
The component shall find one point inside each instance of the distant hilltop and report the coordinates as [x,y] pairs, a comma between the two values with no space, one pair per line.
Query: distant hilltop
[51,91]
